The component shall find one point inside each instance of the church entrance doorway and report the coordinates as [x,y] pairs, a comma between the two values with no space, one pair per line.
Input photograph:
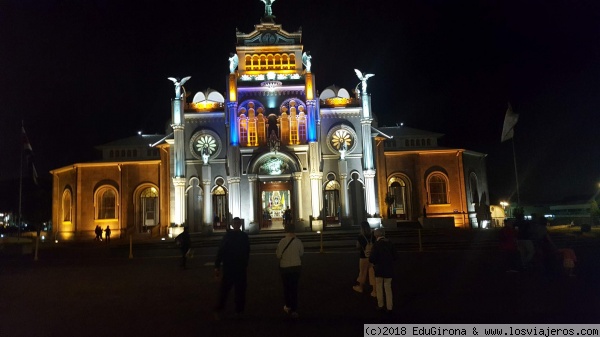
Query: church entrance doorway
[275,197]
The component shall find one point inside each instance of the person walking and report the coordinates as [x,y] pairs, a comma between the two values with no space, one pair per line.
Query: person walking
[98,232]
[184,242]
[364,243]
[107,234]
[383,256]
[289,252]
[233,254]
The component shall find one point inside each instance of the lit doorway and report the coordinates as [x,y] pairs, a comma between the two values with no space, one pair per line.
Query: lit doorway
[275,198]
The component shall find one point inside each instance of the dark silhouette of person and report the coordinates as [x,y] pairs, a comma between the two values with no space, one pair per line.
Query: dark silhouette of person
[233,255]
[287,217]
[98,232]
[184,242]
[107,234]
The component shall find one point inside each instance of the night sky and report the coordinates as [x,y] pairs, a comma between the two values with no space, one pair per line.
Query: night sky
[83,73]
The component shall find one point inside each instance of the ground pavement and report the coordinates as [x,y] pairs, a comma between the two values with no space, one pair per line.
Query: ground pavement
[101,291]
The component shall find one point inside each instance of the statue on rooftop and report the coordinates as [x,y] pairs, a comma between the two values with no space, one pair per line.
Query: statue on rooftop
[306,61]
[364,79]
[268,3]
[233,63]
[178,84]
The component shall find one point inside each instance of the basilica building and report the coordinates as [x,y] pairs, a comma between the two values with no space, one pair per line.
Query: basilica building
[269,143]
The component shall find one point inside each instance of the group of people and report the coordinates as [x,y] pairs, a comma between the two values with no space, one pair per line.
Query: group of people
[98,232]
[377,256]
[231,265]
[527,245]
[376,262]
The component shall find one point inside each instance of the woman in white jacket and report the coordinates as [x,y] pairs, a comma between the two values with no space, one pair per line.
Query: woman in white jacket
[289,252]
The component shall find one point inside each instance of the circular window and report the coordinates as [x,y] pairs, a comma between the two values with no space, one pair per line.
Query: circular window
[205,142]
[341,138]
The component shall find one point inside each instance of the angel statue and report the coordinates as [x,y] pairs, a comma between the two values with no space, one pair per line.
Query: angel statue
[178,84]
[306,61]
[364,79]
[268,3]
[233,62]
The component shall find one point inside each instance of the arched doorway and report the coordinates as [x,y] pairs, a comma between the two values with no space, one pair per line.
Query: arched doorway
[275,198]
[399,191]
[220,205]
[147,209]
[356,196]
[331,201]
[273,186]
[194,195]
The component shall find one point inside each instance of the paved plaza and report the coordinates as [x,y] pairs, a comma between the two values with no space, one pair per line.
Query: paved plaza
[97,290]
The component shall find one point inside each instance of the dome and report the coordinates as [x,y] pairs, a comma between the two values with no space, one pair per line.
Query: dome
[209,95]
[333,92]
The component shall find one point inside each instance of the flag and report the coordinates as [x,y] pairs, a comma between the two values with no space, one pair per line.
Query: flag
[26,145]
[510,120]
[28,152]
[34,174]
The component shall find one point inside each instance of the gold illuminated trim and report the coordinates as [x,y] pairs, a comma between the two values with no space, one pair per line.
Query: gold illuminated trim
[206,106]
[339,101]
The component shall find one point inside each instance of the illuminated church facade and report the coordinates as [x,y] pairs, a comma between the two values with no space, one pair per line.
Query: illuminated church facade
[268,143]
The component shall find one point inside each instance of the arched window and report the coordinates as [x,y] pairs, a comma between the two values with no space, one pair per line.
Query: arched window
[243,130]
[261,128]
[331,200]
[149,206]
[220,207]
[67,206]
[397,190]
[437,186]
[293,126]
[106,203]
[285,128]
[301,126]
[252,141]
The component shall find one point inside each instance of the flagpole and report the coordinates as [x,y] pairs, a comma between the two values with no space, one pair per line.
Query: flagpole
[516,174]
[20,187]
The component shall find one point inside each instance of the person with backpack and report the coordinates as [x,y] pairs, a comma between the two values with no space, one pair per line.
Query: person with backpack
[364,243]
[383,256]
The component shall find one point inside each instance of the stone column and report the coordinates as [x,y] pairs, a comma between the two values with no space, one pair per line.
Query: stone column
[208,211]
[252,179]
[316,177]
[177,114]
[343,171]
[298,196]
[370,199]
[179,215]
[234,196]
